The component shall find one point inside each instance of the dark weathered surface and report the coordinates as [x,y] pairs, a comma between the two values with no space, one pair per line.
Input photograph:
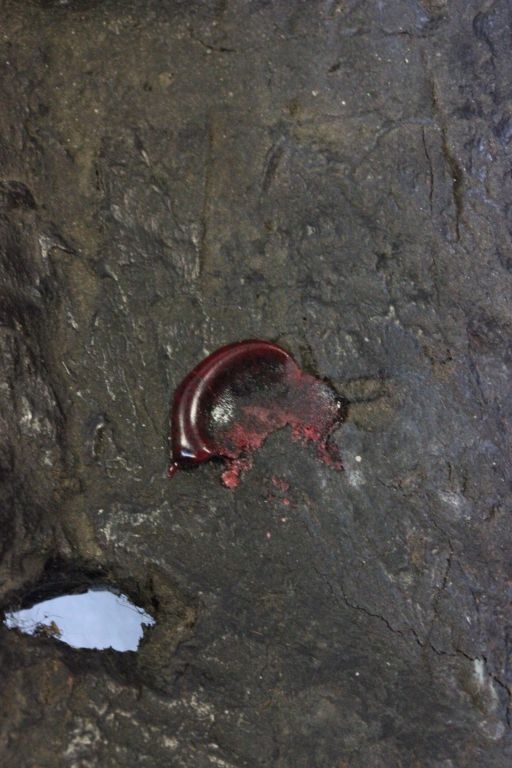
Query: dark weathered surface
[335,176]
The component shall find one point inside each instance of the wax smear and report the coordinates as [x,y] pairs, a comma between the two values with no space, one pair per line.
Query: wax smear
[260,406]
[97,618]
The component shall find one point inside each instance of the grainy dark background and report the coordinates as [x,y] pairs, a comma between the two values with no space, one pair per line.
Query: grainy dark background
[335,176]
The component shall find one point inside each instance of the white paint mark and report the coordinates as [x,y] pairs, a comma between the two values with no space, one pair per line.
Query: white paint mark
[355,478]
[223,410]
[93,619]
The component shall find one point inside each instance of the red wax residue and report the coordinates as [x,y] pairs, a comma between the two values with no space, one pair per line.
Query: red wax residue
[279,483]
[235,467]
[235,398]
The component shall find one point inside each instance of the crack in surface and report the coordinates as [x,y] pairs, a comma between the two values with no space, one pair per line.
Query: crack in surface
[431,170]
[339,594]
[453,165]
[207,198]
[426,644]
[210,48]
[272,162]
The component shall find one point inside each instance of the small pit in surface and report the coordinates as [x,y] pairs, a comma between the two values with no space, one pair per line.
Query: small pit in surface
[94,618]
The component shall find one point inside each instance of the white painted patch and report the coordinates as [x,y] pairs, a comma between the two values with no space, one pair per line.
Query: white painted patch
[26,412]
[452,499]
[484,681]
[84,739]
[202,709]
[456,503]
[94,619]
[479,671]
[220,762]
[223,410]
[355,477]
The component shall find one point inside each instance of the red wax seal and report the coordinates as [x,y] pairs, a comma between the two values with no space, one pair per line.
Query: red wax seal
[229,404]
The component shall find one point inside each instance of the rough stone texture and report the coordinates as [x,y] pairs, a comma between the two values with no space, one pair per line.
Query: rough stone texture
[335,176]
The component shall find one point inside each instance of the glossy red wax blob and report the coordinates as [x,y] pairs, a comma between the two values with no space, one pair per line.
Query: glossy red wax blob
[229,404]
